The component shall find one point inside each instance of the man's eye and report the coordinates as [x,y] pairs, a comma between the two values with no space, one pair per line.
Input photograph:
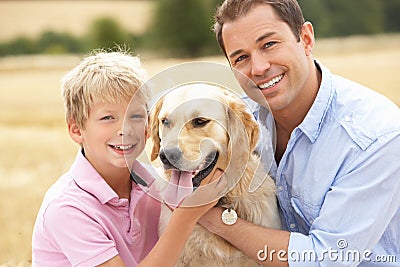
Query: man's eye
[200,122]
[269,44]
[240,58]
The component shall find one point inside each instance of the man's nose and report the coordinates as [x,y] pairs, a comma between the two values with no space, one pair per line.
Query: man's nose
[259,64]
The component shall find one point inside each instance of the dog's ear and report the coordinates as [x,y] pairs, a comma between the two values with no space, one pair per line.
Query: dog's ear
[244,130]
[154,130]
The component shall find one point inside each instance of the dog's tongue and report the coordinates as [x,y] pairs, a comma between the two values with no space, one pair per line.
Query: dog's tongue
[183,180]
[180,186]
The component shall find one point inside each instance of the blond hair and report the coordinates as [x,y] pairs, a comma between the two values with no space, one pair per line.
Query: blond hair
[102,77]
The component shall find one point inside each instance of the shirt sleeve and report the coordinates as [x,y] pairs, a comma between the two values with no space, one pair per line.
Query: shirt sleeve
[80,238]
[356,211]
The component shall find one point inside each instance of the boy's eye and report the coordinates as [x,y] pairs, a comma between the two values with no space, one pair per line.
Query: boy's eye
[137,116]
[105,118]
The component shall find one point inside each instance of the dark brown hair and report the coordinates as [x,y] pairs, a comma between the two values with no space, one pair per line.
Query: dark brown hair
[288,10]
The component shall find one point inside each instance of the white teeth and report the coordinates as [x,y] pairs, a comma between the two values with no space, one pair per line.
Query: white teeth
[123,147]
[198,169]
[271,82]
[195,173]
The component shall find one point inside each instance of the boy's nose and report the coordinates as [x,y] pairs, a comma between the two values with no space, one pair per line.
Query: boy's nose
[125,129]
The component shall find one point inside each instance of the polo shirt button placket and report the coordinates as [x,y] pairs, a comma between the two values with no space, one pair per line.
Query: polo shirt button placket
[128,224]
[125,209]
[135,234]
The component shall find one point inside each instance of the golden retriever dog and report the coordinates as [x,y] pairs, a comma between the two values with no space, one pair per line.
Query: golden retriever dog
[197,128]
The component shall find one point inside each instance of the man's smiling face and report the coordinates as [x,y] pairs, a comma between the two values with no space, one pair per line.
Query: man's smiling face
[264,49]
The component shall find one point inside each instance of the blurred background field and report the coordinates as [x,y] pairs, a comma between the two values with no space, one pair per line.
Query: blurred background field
[35,147]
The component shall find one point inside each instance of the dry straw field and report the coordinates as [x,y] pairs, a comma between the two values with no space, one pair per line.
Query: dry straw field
[36,150]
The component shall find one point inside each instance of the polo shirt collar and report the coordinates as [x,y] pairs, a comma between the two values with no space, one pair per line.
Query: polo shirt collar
[141,175]
[312,123]
[88,179]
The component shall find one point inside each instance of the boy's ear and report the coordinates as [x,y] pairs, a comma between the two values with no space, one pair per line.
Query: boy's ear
[74,131]
[147,129]
[154,131]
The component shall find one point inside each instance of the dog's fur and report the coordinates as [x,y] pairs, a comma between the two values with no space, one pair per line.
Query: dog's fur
[233,132]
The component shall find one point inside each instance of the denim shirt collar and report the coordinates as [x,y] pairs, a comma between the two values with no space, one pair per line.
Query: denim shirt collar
[320,106]
[317,111]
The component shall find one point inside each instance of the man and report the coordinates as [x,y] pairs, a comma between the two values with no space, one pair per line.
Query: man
[337,146]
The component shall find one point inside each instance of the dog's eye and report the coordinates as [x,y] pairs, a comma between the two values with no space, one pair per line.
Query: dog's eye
[200,122]
[165,122]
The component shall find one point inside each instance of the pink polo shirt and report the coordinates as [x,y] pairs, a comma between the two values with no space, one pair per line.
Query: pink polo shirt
[83,222]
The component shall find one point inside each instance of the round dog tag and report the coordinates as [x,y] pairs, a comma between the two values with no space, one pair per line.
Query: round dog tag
[229,216]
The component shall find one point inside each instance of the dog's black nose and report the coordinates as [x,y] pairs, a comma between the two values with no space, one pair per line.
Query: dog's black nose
[170,156]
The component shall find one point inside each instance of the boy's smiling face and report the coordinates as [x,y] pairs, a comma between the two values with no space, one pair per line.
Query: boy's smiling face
[113,135]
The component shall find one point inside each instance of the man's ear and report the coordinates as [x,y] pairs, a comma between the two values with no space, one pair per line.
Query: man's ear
[307,37]
[75,131]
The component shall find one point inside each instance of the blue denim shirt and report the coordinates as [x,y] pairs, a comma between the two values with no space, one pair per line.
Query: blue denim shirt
[338,182]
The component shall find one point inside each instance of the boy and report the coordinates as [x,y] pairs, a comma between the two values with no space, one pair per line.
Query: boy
[94,215]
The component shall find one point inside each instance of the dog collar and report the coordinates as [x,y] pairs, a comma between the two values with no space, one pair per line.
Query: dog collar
[229,216]
[137,179]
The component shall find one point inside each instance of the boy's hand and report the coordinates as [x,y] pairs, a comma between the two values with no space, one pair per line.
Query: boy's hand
[205,197]
[179,192]
[178,188]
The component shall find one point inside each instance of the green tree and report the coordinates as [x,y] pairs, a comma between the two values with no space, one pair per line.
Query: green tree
[316,12]
[351,17]
[57,43]
[344,17]
[182,28]
[391,13]
[105,33]
[18,46]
